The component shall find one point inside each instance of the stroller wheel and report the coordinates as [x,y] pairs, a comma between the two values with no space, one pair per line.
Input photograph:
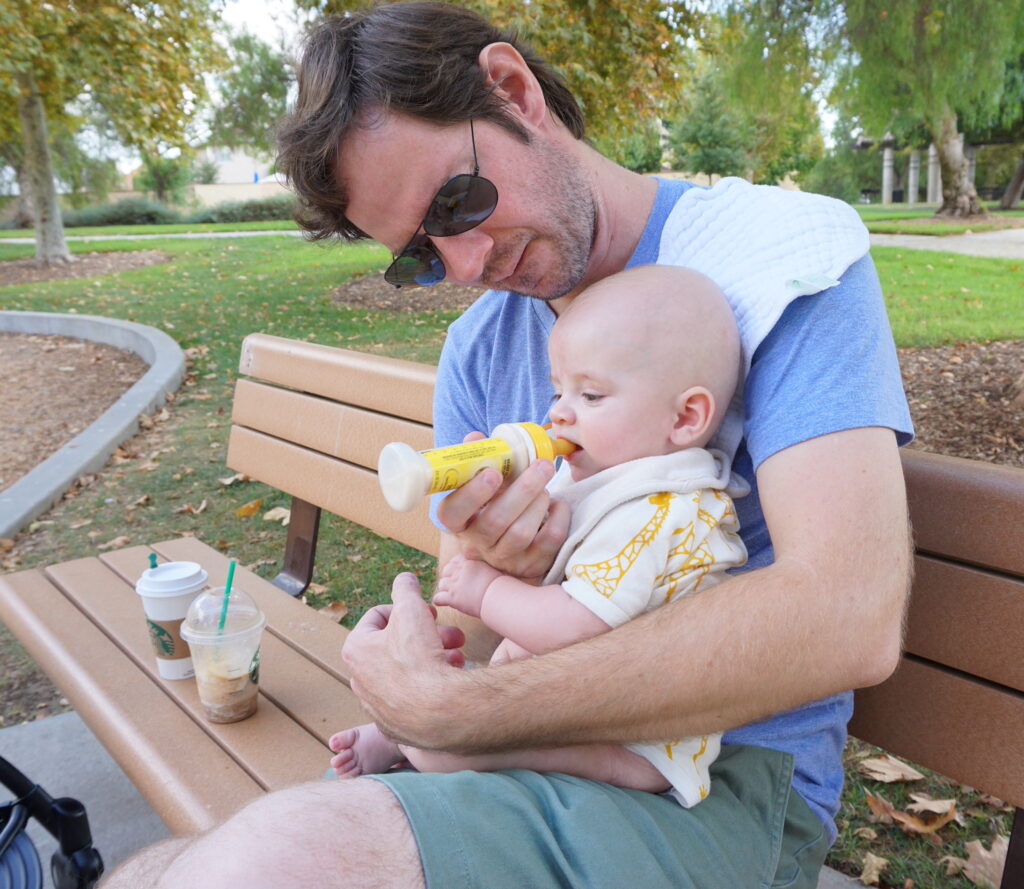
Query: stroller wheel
[20,867]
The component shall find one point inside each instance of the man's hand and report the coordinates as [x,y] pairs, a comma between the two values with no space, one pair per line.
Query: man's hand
[463,584]
[396,654]
[517,530]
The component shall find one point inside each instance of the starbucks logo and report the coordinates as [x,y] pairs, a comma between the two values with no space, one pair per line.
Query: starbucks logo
[254,668]
[163,642]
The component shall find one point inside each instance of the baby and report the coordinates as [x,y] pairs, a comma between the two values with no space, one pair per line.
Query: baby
[644,364]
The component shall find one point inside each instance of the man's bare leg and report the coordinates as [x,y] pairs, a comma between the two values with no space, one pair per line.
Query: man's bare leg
[331,835]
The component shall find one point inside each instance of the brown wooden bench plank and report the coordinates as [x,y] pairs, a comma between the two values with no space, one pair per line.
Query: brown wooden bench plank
[968,619]
[962,728]
[338,430]
[346,490]
[144,730]
[302,674]
[270,746]
[966,510]
[389,385]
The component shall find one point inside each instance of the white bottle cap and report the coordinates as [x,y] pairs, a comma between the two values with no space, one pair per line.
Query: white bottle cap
[404,476]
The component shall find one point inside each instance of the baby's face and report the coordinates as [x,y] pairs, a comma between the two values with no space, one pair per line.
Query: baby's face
[610,400]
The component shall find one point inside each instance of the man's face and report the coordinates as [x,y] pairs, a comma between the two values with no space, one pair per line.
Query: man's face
[538,240]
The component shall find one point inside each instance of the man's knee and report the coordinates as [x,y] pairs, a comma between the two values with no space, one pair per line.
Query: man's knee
[344,834]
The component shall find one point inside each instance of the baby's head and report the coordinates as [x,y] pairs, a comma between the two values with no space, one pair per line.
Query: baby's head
[644,363]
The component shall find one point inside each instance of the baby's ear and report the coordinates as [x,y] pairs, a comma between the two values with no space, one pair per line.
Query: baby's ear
[694,409]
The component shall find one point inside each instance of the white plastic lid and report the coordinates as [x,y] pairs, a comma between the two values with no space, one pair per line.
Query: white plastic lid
[171,579]
[203,616]
[404,476]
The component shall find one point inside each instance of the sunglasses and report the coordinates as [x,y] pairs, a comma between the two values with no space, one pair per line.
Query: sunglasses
[462,203]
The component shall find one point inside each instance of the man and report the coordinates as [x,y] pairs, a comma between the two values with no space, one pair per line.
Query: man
[421,126]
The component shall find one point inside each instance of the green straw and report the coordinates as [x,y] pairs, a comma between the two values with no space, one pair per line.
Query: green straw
[152,560]
[227,593]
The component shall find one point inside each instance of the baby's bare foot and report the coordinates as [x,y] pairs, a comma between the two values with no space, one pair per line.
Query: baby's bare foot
[363,751]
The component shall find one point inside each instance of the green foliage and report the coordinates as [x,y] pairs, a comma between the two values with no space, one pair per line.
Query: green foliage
[247,211]
[87,179]
[205,172]
[638,150]
[620,59]
[130,211]
[709,138]
[253,96]
[844,170]
[165,178]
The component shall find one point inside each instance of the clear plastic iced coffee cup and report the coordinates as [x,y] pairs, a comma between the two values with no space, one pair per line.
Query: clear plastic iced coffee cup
[225,644]
[166,591]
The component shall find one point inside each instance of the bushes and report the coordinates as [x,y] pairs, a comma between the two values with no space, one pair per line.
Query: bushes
[141,211]
[281,207]
[130,211]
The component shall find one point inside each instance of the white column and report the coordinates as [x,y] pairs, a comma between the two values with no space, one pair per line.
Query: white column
[972,162]
[887,175]
[913,177]
[934,176]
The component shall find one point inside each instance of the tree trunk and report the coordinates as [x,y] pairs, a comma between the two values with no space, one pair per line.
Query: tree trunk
[1013,190]
[51,248]
[958,195]
[24,217]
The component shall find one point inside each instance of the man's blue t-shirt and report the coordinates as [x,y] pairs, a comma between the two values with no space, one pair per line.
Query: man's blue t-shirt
[828,364]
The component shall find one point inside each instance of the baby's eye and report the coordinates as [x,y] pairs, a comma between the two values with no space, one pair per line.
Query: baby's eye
[555,397]
[591,397]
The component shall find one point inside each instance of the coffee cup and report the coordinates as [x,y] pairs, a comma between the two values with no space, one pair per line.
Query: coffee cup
[225,641]
[166,591]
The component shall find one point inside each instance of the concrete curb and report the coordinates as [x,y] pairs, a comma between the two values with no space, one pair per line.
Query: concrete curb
[44,486]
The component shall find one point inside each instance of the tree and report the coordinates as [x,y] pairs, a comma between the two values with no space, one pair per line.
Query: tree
[141,63]
[939,62]
[165,177]
[253,93]
[709,138]
[619,58]
[846,169]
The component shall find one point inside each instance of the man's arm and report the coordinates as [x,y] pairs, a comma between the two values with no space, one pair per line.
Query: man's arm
[825,617]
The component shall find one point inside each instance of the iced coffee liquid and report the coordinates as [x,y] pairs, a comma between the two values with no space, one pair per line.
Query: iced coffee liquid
[226,698]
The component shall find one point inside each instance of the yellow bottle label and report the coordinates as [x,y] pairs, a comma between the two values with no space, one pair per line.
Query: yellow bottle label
[452,467]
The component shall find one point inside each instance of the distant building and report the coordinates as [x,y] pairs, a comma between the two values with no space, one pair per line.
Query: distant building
[237,167]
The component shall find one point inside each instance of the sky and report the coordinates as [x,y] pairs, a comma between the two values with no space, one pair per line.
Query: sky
[267,19]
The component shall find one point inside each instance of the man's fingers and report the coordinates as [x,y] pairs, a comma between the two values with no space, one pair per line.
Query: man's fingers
[406,587]
[457,510]
[451,637]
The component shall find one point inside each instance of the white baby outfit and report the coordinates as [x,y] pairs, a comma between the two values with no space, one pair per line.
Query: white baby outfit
[643,534]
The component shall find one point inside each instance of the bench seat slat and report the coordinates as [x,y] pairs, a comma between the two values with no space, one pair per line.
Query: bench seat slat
[338,430]
[349,491]
[269,746]
[949,723]
[143,729]
[968,619]
[389,385]
[302,670]
[966,510]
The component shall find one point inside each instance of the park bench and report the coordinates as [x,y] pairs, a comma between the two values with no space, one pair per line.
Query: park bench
[310,420]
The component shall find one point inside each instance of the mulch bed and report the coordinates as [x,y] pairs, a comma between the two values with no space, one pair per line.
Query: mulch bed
[85,265]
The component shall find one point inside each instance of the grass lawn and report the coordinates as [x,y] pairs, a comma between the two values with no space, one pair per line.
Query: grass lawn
[176,228]
[906,219]
[171,479]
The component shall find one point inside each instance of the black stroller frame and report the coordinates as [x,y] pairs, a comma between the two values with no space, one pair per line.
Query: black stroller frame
[75,864]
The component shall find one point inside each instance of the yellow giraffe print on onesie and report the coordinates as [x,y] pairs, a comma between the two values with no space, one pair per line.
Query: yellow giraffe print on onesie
[606,576]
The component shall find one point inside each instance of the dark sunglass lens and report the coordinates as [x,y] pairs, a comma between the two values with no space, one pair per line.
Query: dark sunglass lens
[462,203]
[416,265]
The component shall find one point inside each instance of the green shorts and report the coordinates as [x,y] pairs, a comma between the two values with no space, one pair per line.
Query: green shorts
[522,830]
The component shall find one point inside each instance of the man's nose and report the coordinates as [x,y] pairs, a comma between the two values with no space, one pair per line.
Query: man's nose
[465,255]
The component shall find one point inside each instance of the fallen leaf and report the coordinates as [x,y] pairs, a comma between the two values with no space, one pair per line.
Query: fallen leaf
[6,543]
[231,479]
[888,769]
[148,466]
[278,514]
[259,563]
[116,543]
[866,833]
[881,809]
[873,867]
[924,803]
[189,508]
[356,558]
[335,611]
[885,812]
[249,509]
[142,501]
[317,588]
[983,867]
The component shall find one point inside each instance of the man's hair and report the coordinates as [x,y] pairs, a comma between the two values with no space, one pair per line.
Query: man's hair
[415,58]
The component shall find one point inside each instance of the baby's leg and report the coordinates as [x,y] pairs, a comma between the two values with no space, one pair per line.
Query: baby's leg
[363,751]
[597,762]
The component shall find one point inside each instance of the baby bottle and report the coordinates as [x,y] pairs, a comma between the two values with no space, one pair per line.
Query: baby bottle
[407,475]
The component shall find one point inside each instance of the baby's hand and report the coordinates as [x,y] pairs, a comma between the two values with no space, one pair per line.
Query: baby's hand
[463,583]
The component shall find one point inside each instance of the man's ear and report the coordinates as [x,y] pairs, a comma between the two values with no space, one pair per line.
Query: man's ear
[506,70]
[694,410]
